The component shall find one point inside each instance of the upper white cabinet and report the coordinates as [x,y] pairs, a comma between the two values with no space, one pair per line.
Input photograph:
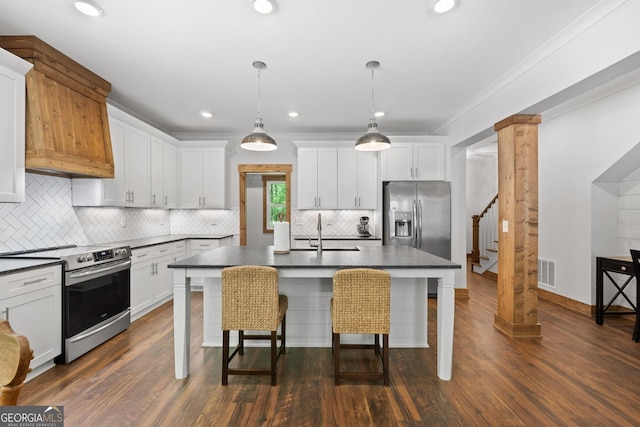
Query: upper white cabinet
[202,177]
[170,175]
[413,162]
[317,178]
[140,169]
[357,179]
[12,126]
[157,172]
[137,176]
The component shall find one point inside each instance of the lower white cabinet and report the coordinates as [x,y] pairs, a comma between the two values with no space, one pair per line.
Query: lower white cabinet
[151,280]
[32,303]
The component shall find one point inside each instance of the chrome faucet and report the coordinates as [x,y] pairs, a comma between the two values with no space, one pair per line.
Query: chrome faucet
[319,243]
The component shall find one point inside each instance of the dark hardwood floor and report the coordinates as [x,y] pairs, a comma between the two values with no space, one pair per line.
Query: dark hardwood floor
[578,374]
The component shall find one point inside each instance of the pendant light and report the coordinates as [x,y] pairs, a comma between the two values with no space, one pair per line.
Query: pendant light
[258,140]
[372,140]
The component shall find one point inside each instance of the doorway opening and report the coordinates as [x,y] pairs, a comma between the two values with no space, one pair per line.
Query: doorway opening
[271,169]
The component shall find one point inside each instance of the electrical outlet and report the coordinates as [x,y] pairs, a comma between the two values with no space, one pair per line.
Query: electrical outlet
[298,221]
[123,222]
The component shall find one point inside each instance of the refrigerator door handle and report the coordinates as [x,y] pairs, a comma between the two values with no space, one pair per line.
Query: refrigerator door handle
[419,224]
[415,225]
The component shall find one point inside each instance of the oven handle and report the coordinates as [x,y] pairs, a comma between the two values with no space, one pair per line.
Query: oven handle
[110,269]
[103,327]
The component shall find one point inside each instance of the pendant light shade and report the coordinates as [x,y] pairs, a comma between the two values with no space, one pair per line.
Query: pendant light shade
[258,140]
[372,140]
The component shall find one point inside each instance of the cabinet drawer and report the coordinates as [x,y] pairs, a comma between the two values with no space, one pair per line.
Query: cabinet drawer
[30,281]
[141,255]
[618,266]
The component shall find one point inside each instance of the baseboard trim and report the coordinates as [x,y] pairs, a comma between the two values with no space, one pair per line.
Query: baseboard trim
[565,302]
[462,293]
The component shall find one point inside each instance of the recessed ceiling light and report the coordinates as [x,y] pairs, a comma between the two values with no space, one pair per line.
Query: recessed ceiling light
[88,7]
[263,6]
[293,114]
[206,114]
[442,6]
[379,113]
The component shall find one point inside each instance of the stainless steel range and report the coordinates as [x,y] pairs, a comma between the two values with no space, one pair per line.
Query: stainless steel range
[96,295]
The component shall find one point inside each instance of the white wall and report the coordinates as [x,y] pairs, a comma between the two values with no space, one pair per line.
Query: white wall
[255,235]
[575,149]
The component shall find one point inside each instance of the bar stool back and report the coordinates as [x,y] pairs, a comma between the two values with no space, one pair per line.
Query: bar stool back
[361,304]
[250,302]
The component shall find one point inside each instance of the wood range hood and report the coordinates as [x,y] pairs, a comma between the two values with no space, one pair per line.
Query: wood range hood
[67,127]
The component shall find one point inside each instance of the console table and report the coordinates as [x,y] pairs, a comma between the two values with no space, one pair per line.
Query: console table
[604,267]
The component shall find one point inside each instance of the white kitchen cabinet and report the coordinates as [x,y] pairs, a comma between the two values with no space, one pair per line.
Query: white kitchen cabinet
[151,280]
[144,168]
[32,303]
[12,126]
[357,179]
[178,250]
[170,175]
[130,186]
[156,174]
[138,169]
[317,178]
[202,178]
[413,162]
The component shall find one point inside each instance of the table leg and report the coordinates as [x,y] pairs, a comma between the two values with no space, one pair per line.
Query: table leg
[599,292]
[181,322]
[446,314]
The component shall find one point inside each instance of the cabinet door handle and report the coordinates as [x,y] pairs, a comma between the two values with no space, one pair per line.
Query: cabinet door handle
[411,172]
[6,314]
[166,200]
[154,199]
[355,201]
[319,202]
[204,203]
[417,174]
[359,202]
[31,282]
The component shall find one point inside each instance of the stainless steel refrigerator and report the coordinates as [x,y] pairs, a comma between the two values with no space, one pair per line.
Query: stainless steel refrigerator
[418,214]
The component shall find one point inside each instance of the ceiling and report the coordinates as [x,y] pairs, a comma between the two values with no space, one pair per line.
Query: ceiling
[168,60]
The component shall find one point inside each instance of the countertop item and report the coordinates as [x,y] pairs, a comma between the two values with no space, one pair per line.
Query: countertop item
[9,266]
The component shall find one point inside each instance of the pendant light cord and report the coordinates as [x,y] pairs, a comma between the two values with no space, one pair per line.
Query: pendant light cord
[372,89]
[259,95]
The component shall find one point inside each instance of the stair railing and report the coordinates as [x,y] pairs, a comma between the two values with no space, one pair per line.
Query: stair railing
[485,231]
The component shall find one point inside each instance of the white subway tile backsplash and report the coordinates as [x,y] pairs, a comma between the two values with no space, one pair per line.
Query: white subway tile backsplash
[47,219]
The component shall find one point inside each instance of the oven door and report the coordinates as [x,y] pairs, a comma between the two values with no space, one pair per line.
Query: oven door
[94,295]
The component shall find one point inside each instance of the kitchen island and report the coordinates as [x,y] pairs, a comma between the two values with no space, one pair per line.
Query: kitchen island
[306,278]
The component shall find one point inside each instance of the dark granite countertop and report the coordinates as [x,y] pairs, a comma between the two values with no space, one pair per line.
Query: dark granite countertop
[169,238]
[366,256]
[354,237]
[10,266]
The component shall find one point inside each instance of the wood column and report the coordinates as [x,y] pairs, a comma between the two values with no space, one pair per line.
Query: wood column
[517,311]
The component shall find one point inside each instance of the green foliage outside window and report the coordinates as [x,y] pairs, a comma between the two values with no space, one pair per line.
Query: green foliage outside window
[276,201]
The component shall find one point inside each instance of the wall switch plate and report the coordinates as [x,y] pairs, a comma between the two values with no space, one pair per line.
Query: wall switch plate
[505,226]
[123,222]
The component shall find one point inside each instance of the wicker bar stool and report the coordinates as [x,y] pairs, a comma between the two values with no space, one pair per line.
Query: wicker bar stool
[14,365]
[250,302]
[361,304]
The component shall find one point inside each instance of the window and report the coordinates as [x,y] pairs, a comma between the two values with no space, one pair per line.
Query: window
[274,200]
